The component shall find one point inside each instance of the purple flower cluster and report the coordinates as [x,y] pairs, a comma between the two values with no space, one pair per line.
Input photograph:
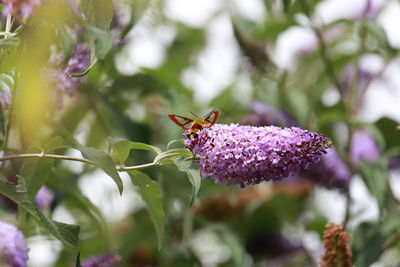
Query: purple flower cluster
[363,146]
[107,260]
[331,171]
[77,64]
[22,8]
[247,155]
[13,250]
[265,115]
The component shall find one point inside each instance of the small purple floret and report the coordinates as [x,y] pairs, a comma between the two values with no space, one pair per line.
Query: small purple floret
[13,250]
[246,155]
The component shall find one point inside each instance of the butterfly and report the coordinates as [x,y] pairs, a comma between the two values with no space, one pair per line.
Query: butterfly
[195,125]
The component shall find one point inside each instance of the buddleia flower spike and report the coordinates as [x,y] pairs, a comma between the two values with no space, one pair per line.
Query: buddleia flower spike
[246,155]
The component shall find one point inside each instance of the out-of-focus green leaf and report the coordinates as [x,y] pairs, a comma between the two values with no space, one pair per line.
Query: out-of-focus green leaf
[375,176]
[193,174]
[54,143]
[233,243]
[65,41]
[272,28]
[366,244]
[378,33]
[102,160]
[150,193]
[98,15]
[10,42]
[388,129]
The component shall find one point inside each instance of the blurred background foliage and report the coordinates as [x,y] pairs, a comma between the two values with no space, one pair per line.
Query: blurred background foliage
[147,62]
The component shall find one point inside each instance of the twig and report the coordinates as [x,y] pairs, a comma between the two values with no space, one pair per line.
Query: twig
[54,156]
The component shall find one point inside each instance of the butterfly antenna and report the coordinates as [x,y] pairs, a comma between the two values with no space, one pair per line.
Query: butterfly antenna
[194,115]
[209,113]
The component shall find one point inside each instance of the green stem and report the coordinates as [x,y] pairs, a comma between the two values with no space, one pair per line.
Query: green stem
[54,156]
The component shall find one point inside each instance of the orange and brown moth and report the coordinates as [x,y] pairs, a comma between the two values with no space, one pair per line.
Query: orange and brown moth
[195,125]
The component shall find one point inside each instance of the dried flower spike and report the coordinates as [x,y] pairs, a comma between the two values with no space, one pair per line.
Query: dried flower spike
[337,250]
[246,155]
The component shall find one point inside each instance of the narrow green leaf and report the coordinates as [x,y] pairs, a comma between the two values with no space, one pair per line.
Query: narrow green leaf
[181,141]
[103,161]
[150,193]
[375,176]
[173,153]
[193,174]
[137,145]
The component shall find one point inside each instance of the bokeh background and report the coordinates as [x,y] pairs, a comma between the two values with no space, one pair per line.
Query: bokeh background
[328,66]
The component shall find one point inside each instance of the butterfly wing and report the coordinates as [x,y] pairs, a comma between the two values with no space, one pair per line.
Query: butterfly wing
[181,121]
[211,118]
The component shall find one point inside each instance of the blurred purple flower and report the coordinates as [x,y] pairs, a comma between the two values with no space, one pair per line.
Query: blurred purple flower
[13,250]
[369,10]
[330,172]
[22,8]
[44,197]
[107,260]
[5,99]
[76,65]
[266,115]
[363,146]
[247,155]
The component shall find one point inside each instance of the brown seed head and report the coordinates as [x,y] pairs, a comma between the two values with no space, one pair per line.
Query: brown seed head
[337,250]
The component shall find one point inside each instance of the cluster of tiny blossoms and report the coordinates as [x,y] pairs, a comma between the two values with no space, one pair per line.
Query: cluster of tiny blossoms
[62,77]
[13,250]
[248,155]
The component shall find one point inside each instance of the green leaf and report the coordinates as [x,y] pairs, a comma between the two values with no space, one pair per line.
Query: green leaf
[366,244]
[66,233]
[122,149]
[173,153]
[10,42]
[388,129]
[180,141]
[143,146]
[102,160]
[150,193]
[193,174]
[102,41]
[98,15]
[375,176]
